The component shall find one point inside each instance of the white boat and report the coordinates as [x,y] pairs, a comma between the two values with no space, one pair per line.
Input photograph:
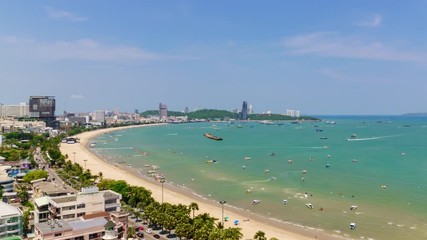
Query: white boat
[353,207]
[247,158]
[309,205]
[266,170]
[352,226]
[304,171]
[255,202]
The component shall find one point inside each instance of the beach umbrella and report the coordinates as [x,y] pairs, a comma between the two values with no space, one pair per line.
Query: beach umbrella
[236,222]
[226,218]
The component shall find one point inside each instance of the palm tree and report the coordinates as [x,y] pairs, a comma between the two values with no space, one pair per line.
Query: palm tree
[22,192]
[193,206]
[232,234]
[260,235]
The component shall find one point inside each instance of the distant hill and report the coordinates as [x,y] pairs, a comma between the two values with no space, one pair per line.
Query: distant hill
[221,114]
[415,114]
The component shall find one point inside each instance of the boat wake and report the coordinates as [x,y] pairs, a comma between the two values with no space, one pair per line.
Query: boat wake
[371,138]
[259,181]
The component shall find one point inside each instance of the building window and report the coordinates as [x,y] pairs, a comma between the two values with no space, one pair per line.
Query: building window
[82,205]
[68,216]
[68,208]
[79,238]
[94,235]
[58,234]
[81,214]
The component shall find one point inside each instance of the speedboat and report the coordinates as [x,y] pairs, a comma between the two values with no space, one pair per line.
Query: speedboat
[352,226]
[309,205]
[247,158]
[255,202]
[353,207]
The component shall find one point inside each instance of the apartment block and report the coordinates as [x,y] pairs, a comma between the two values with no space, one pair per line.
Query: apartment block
[89,201]
[10,221]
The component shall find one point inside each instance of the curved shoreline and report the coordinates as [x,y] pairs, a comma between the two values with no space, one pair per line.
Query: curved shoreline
[175,194]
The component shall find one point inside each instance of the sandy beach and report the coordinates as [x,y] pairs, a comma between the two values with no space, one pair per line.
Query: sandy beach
[249,223]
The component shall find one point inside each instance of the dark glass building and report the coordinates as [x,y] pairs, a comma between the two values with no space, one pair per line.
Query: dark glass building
[43,108]
[244,113]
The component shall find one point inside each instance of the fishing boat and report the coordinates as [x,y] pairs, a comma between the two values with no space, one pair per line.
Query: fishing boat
[210,136]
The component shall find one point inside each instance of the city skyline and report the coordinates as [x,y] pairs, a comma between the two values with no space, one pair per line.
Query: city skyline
[321,58]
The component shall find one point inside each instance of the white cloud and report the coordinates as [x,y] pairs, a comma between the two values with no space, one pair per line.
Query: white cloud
[61,14]
[76,96]
[374,20]
[16,40]
[85,49]
[88,49]
[332,44]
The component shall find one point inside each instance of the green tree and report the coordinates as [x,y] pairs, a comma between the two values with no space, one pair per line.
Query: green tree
[232,234]
[25,221]
[273,238]
[22,192]
[260,235]
[33,175]
[184,230]
[131,232]
[193,206]
[1,192]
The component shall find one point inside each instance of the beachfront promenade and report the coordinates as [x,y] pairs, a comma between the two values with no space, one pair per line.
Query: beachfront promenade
[174,195]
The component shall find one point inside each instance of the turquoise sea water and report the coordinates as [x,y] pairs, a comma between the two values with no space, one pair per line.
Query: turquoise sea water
[389,152]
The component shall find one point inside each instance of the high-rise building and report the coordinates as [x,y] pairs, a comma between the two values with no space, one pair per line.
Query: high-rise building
[163,110]
[186,110]
[99,116]
[43,107]
[244,113]
[250,109]
[21,110]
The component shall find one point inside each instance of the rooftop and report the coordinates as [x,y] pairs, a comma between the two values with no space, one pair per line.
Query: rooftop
[82,224]
[64,199]
[7,210]
[42,201]
[51,188]
[53,226]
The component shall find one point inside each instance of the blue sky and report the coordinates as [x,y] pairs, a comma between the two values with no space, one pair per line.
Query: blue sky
[319,57]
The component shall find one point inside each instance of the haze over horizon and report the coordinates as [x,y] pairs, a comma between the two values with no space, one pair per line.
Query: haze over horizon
[322,58]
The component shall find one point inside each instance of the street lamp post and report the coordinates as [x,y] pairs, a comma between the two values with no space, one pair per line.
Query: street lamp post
[85,163]
[222,202]
[74,157]
[162,181]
